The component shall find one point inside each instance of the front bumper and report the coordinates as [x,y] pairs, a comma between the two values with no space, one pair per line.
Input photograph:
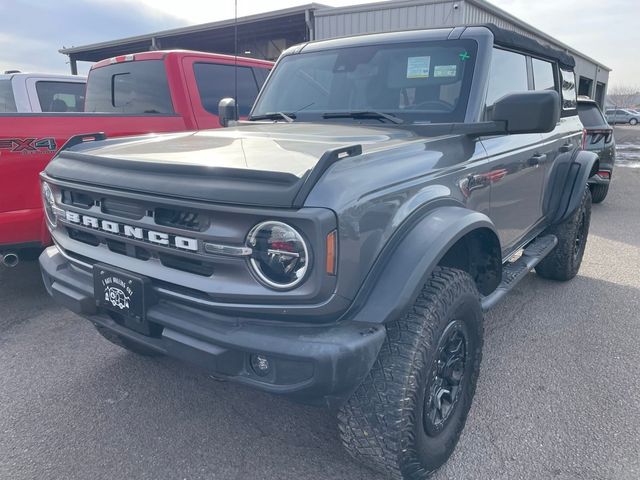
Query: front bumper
[312,364]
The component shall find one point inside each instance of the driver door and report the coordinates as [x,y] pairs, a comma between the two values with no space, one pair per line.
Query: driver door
[516,192]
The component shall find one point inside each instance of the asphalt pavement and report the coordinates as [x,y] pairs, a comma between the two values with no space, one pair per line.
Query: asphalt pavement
[558,395]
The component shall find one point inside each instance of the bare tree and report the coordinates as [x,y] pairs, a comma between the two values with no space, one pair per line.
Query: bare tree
[624,96]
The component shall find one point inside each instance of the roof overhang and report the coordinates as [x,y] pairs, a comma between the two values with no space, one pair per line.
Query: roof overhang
[288,22]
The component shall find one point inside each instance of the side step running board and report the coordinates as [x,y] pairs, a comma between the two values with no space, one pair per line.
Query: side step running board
[513,272]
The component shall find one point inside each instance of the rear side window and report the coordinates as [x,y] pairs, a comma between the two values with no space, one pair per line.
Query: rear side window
[129,87]
[7,101]
[217,81]
[590,115]
[543,78]
[569,99]
[60,96]
[508,74]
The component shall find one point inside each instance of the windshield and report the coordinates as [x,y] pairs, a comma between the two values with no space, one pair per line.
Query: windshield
[418,82]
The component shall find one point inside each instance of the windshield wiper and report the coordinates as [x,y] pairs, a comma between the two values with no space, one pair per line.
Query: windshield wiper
[274,116]
[364,114]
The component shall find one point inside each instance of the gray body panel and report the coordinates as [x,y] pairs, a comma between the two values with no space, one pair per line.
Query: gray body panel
[238,176]
[402,198]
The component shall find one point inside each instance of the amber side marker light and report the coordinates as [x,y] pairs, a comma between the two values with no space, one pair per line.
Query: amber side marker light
[332,252]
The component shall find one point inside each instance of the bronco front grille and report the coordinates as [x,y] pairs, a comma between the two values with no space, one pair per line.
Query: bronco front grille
[170,217]
[127,227]
[123,208]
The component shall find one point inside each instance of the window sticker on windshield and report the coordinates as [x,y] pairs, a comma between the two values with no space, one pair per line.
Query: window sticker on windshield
[418,67]
[444,70]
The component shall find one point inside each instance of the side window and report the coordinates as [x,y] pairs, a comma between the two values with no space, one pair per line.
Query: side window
[7,101]
[508,74]
[543,78]
[569,100]
[129,87]
[216,82]
[261,75]
[60,96]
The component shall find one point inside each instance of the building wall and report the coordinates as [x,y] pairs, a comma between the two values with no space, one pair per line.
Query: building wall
[374,18]
[408,14]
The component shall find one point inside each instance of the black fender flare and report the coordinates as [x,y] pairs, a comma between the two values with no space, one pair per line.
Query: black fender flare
[567,183]
[404,266]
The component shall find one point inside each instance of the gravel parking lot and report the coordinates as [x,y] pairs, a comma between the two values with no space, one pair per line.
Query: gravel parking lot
[558,396]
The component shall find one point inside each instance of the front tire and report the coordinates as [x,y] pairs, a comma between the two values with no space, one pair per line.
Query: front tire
[599,192]
[633,121]
[406,417]
[564,261]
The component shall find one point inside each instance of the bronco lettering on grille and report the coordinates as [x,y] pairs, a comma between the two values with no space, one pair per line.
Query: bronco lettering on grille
[137,233]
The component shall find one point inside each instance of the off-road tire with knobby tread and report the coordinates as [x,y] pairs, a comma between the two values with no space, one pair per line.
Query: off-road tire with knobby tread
[126,343]
[382,423]
[564,261]
[599,192]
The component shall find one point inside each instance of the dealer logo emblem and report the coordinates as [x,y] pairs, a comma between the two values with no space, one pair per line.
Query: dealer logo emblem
[117,292]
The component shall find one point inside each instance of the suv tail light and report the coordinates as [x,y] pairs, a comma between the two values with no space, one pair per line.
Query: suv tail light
[594,136]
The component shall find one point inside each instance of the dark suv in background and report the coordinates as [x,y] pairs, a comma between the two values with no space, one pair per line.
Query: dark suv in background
[597,137]
[340,246]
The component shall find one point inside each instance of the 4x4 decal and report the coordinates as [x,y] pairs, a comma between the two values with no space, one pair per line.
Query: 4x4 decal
[29,145]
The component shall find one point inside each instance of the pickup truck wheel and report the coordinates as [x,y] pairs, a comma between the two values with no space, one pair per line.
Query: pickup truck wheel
[564,261]
[599,192]
[126,344]
[407,415]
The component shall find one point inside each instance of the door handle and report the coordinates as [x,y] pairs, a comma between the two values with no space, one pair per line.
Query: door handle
[567,147]
[536,160]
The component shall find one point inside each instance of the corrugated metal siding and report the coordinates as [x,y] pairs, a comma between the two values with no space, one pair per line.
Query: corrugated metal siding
[401,17]
[476,16]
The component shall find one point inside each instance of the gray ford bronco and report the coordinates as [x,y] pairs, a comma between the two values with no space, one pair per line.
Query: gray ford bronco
[341,244]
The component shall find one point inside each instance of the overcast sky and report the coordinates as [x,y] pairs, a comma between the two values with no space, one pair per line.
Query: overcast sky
[34,30]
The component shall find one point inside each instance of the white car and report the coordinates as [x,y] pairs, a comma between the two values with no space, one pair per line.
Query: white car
[41,92]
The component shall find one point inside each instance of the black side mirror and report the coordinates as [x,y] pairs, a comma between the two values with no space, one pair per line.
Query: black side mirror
[528,112]
[227,111]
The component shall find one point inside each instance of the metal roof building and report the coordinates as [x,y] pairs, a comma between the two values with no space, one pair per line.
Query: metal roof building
[266,35]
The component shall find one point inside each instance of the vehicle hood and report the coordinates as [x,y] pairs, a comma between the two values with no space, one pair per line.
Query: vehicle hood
[261,164]
[285,148]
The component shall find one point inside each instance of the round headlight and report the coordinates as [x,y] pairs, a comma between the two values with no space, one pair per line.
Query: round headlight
[49,203]
[280,255]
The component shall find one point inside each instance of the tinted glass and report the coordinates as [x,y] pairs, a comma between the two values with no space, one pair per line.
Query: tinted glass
[216,82]
[261,75]
[427,81]
[508,74]
[129,87]
[590,115]
[60,96]
[543,78]
[569,99]
[7,102]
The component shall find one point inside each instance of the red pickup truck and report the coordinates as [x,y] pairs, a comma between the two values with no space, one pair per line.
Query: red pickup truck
[160,91]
